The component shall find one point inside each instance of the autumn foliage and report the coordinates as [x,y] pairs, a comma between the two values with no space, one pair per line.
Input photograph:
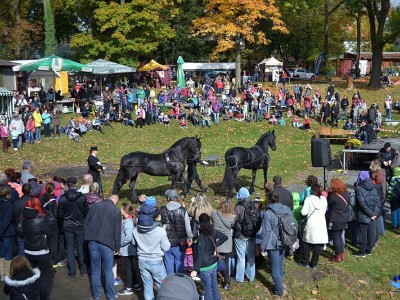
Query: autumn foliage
[227,20]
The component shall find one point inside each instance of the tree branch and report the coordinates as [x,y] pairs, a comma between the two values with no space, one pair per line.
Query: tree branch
[336,7]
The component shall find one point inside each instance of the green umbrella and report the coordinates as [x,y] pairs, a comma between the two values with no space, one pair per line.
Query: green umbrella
[56,64]
[180,76]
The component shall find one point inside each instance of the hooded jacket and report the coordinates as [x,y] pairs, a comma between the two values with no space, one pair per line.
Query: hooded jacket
[270,230]
[314,208]
[36,231]
[72,209]
[24,285]
[367,201]
[151,241]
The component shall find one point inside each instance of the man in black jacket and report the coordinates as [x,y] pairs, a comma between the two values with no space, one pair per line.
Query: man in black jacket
[343,105]
[285,196]
[95,167]
[387,156]
[103,232]
[72,210]
[335,114]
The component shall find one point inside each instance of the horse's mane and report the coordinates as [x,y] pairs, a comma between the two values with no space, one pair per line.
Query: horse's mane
[181,141]
[264,136]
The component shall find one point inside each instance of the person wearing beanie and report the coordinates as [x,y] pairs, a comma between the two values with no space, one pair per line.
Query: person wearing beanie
[368,205]
[176,222]
[151,242]
[387,155]
[244,245]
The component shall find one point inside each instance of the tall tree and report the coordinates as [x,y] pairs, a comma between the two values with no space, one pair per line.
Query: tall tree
[232,24]
[124,33]
[49,29]
[377,12]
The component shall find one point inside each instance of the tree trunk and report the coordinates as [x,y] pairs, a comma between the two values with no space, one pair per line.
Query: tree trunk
[326,37]
[238,78]
[377,19]
[358,49]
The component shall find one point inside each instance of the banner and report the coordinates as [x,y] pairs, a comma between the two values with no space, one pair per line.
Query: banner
[319,62]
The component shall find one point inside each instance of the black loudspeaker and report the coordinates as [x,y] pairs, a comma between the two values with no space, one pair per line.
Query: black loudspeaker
[320,153]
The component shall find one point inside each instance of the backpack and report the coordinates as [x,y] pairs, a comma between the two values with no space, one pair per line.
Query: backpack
[288,228]
[251,223]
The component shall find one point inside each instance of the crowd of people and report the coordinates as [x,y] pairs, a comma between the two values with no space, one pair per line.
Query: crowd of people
[53,224]
[139,106]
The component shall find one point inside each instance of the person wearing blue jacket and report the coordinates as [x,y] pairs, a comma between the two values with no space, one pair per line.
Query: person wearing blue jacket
[46,117]
[270,242]
[127,250]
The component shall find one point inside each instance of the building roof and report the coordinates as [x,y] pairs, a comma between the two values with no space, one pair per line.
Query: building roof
[5,93]
[6,63]
[386,55]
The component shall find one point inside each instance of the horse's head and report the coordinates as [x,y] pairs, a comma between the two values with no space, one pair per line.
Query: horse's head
[196,150]
[271,140]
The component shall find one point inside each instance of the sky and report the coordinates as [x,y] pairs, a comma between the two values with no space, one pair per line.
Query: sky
[395,2]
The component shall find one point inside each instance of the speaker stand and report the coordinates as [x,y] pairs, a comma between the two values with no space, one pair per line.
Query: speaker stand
[325,181]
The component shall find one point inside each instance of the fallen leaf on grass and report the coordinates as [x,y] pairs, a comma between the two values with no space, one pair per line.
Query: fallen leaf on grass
[362,281]
[314,291]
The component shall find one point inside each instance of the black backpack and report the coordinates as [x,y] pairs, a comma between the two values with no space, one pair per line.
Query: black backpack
[251,223]
[288,228]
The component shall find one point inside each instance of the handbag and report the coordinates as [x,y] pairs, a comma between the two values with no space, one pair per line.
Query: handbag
[221,266]
[303,222]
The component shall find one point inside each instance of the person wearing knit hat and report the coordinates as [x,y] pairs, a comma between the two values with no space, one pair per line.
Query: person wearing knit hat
[151,242]
[387,156]
[242,194]
[368,204]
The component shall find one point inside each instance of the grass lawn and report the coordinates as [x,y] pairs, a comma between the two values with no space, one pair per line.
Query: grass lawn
[355,279]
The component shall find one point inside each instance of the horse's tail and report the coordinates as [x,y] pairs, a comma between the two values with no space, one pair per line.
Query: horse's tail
[229,180]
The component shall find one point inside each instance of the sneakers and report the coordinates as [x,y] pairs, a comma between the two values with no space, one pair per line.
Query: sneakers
[59,264]
[117,281]
[359,254]
[368,253]
[15,149]
[227,287]
[126,292]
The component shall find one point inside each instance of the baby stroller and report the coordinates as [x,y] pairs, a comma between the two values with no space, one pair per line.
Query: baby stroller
[179,286]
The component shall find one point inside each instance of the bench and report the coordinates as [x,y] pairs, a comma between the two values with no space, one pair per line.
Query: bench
[213,159]
[334,133]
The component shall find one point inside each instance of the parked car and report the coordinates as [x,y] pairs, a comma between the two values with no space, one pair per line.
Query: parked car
[301,73]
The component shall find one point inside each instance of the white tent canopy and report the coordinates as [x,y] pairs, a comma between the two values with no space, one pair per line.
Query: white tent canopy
[190,66]
[271,62]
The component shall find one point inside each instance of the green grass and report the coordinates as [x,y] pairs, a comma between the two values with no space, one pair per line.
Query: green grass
[355,279]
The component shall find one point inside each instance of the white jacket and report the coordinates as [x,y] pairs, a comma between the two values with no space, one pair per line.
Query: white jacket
[315,231]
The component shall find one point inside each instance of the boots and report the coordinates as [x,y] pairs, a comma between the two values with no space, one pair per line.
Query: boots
[2,275]
[336,258]
[7,264]
[342,257]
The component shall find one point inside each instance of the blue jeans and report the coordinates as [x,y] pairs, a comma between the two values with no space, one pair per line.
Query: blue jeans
[380,226]
[205,123]
[216,117]
[15,143]
[37,133]
[245,255]
[173,260]
[210,282]
[75,239]
[395,216]
[388,114]
[151,270]
[20,245]
[6,245]
[101,254]
[29,136]
[276,264]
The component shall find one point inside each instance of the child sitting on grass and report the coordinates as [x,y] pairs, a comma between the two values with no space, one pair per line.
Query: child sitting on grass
[295,122]
[282,121]
[183,123]
[273,120]
[73,135]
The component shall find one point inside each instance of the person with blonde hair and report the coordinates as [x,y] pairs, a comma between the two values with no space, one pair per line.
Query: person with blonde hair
[23,281]
[224,221]
[199,205]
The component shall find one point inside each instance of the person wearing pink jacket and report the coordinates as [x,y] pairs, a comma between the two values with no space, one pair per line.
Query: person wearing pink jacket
[4,132]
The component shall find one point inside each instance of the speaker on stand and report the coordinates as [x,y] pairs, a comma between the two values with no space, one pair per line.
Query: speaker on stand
[321,154]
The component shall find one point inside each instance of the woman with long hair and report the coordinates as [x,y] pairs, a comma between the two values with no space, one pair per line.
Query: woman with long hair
[224,220]
[205,263]
[49,205]
[36,232]
[315,233]
[23,282]
[127,250]
[378,176]
[199,205]
[338,203]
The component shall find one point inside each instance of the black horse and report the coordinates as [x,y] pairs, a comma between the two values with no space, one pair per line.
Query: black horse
[169,163]
[253,158]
